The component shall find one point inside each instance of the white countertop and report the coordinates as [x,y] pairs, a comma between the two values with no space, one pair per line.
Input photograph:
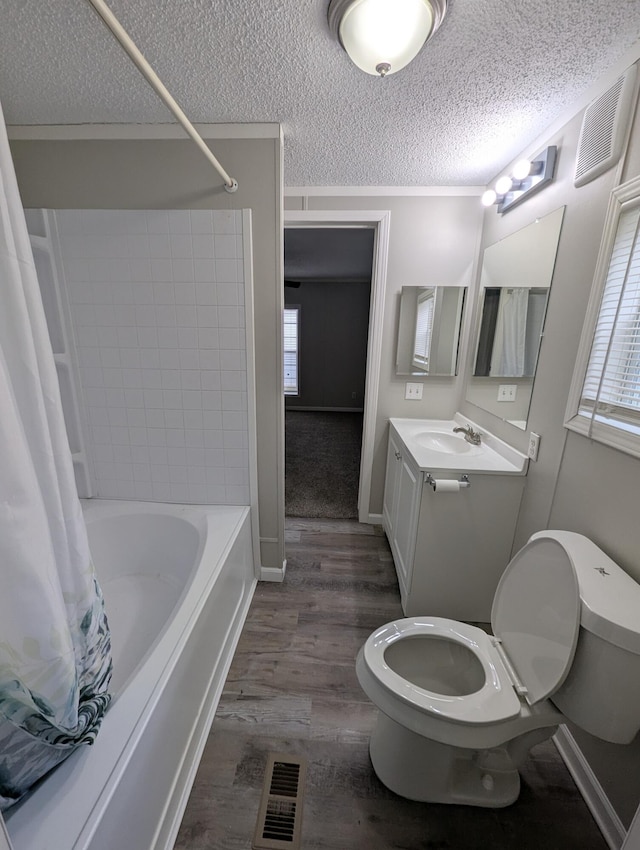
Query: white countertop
[491,457]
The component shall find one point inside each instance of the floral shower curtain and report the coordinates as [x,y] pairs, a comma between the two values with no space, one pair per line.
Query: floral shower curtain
[55,659]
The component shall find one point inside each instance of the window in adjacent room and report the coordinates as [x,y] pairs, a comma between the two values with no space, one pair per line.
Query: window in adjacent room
[605,400]
[291,350]
[424,329]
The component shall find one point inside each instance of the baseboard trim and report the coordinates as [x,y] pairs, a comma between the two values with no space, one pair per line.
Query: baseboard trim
[594,796]
[273,573]
[374,519]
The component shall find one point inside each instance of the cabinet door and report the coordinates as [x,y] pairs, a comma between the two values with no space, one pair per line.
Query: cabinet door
[390,503]
[406,524]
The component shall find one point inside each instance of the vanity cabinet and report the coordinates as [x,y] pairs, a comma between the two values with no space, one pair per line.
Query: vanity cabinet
[401,506]
[449,549]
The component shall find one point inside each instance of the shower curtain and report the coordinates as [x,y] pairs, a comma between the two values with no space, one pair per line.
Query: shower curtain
[508,355]
[55,655]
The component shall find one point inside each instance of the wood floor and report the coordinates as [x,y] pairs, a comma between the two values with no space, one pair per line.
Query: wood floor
[292,688]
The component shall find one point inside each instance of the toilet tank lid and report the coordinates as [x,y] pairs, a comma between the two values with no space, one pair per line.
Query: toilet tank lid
[609,597]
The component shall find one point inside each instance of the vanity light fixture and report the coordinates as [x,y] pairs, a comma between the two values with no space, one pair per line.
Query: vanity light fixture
[527,177]
[382,36]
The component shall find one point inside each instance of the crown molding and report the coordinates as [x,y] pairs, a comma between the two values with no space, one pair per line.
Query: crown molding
[74,132]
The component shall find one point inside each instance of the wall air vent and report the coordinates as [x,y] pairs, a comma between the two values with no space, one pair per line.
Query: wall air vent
[604,129]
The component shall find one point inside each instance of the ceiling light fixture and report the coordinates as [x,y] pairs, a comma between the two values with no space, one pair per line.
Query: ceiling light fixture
[527,177]
[382,36]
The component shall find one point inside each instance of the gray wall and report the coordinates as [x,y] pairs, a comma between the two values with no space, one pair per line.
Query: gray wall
[576,484]
[173,174]
[433,240]
[334,322]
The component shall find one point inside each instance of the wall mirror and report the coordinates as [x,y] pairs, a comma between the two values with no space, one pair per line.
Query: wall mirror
[514,290]
[429,330]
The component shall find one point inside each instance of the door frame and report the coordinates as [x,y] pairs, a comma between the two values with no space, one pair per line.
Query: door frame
[379,220]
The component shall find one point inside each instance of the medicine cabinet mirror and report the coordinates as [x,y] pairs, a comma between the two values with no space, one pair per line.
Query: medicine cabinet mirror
[429,330]
[514,290]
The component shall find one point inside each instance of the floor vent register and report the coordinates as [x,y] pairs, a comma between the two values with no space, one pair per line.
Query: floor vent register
[279,822]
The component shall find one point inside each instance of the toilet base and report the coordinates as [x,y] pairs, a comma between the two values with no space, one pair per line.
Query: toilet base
[428,771]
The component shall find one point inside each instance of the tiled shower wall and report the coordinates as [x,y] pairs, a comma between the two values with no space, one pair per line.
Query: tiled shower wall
[156,301]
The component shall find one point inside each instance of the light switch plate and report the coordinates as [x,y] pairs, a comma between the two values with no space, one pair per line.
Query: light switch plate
[413,391]
[507,392]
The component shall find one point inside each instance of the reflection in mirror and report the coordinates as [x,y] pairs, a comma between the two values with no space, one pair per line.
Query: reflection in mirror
[510,331]
[429,330]
[515,281]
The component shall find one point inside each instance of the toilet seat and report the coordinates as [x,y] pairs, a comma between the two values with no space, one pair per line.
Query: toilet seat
[495,701]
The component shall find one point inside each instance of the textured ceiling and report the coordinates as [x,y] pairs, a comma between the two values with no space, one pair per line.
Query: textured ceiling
[495,75]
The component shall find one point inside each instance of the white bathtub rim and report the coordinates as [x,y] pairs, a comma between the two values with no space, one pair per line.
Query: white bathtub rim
[178,801]
[106,760]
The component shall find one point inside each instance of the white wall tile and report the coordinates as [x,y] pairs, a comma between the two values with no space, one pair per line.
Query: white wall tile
[156,301]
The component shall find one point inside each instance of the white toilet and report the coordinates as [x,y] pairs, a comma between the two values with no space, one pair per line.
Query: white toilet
[460,709]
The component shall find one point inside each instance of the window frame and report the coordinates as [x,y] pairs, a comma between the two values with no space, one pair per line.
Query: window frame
[614,432]
[292,308]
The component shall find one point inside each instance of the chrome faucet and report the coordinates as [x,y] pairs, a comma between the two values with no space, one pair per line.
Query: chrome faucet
[470,435]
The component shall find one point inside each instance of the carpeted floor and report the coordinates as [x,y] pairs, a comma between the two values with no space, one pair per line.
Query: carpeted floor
[322,464]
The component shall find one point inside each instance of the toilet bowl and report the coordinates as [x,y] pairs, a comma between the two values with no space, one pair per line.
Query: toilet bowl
[459,708]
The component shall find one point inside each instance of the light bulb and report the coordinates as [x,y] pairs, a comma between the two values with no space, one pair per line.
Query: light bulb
[503,185]
[488,198]
[521,169]
[385,34]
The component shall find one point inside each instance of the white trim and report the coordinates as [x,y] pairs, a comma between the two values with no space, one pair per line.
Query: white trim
[594,796]
[615,437]
[272,574]
[252,421]
[374,519]
[70,132]
[380,191]
[362,218]
[279,337]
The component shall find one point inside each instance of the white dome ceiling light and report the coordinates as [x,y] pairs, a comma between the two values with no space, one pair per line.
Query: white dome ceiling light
[382,36]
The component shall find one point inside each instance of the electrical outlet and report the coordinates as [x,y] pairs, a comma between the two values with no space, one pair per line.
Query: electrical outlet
[534,445]
[413,391]
[507,392]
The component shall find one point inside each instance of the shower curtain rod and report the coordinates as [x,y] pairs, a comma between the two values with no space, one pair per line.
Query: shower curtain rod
[161,90]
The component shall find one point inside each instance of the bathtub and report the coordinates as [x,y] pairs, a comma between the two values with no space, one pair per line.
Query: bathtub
[177,582]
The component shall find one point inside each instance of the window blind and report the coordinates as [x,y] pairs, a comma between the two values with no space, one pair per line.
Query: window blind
[611,390]
[291,336]
[424,330]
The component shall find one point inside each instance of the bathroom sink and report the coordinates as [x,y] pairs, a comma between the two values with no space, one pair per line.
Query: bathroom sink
[434,446]
[449,444]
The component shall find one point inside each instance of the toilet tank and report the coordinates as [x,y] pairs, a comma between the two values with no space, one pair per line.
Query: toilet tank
[601,692]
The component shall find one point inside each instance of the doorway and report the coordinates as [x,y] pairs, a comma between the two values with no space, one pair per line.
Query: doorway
[334,409]
[327,293]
